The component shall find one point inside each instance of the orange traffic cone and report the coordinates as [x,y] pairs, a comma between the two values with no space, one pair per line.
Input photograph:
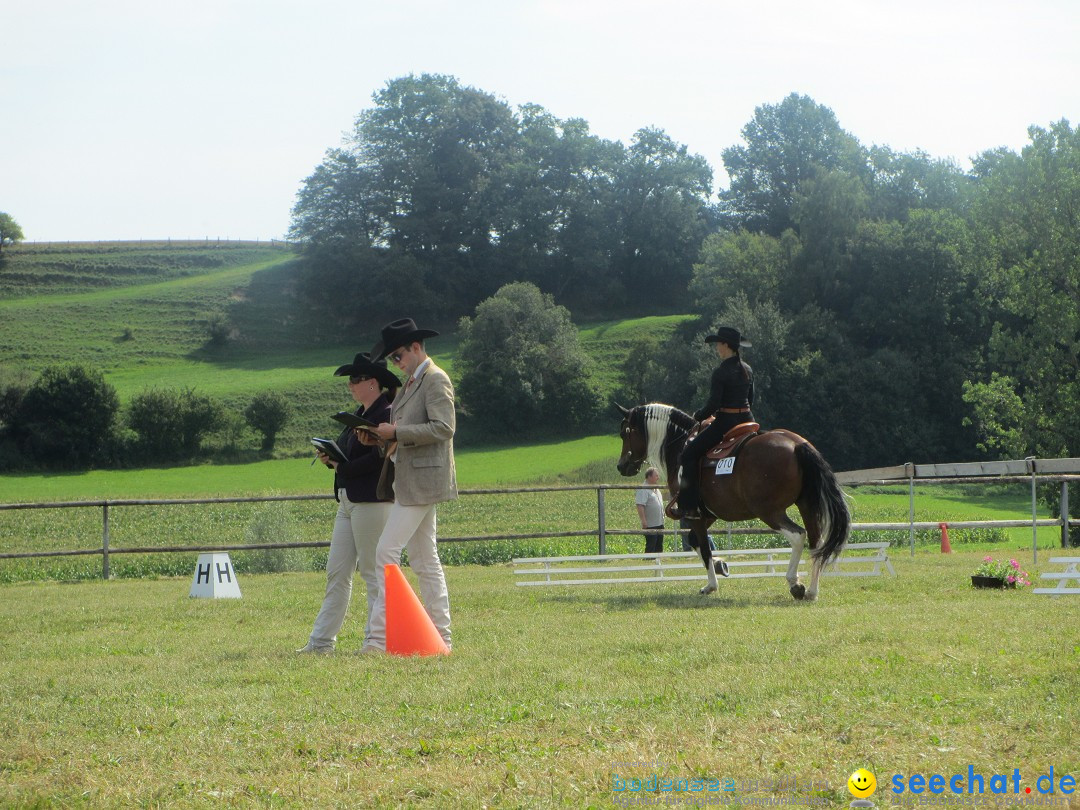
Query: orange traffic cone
[945,547]
[409,630]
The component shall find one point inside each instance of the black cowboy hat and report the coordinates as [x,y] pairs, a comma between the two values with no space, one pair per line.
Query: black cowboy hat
[397,334]
[730,336]
[363,366]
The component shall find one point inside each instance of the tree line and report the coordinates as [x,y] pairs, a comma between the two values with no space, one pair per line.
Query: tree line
[901,308]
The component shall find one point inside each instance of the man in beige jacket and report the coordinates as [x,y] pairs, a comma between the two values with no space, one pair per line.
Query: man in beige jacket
[421,457]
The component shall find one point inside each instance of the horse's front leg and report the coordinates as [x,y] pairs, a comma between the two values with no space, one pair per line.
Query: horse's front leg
[699,538]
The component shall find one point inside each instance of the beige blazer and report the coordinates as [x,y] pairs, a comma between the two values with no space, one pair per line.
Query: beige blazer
[424,417]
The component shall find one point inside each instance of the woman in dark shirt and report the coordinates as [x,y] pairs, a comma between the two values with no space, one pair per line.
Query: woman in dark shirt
[730,397]
[360,515]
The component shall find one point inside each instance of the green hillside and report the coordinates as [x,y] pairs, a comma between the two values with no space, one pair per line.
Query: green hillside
[141,312]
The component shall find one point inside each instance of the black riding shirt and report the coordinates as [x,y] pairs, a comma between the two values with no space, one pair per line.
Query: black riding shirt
[731,388]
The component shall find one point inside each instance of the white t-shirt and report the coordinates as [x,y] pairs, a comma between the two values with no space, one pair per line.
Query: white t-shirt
[649,497]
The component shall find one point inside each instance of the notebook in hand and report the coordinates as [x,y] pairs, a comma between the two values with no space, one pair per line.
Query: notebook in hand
[330,448]
[353,421]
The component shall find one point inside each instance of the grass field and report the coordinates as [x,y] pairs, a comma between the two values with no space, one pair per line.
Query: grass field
[130,694]
[547,461]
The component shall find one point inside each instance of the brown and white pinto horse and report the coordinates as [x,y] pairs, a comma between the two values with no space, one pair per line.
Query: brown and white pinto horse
[772,471]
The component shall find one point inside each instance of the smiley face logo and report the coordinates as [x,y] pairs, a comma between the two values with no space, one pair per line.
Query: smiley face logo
[862,784]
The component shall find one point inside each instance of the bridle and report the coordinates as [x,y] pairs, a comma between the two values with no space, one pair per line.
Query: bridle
[637,462]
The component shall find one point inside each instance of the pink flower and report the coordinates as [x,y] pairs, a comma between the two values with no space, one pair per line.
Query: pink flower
[1014,564]
[988,558]
[1010,578]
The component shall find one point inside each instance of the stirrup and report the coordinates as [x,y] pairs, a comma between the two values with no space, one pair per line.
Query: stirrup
[677,513]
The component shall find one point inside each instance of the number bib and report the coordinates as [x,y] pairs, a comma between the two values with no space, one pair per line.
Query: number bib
[725,466]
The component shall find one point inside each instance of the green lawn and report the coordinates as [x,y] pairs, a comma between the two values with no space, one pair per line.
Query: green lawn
[130,694]
[476,468]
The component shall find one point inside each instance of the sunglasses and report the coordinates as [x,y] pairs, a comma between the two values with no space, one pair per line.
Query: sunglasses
[358,380]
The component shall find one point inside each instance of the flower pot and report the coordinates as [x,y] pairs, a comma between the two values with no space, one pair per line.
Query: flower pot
[990,582]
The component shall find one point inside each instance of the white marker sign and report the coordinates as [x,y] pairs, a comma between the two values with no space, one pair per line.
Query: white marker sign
[214,578]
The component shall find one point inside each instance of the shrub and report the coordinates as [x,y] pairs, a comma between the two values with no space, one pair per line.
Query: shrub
[66,417]
[171,424]
[271,523]
[267,414]
[13,388]
[218,328]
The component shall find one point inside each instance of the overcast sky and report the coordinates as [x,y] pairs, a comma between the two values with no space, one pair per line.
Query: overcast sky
[140,119]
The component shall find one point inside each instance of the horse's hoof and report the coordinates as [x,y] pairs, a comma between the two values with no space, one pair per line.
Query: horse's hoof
[707,590]
[798,591]
[720,567]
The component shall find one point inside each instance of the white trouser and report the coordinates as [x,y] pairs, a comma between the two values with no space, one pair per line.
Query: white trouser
[412,528]
[357,527]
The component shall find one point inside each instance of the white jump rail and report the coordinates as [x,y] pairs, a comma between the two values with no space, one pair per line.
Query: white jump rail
[1070,576]
[858,560]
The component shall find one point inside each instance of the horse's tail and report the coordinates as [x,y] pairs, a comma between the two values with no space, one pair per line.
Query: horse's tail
[820,485]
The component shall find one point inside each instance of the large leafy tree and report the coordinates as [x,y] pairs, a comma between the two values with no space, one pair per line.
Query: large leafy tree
[415,186]
[662,201]
[786,145]
[741,262]
[556,220]
[900,182]
[333,207]
[434,146]
[469,194]
[1028,209]
[522,368]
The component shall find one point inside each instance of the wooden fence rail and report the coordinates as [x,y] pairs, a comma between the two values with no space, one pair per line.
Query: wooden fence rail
[1033,470]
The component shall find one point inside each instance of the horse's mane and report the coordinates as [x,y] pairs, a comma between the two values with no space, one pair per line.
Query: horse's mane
[664,425]
[681,419]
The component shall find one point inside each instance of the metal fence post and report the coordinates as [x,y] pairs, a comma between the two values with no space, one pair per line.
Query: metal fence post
[1064,514]
[909,468]
[105,540]
[1034,513]
[601,523]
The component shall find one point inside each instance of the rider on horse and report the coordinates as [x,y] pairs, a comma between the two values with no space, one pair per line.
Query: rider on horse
[730,398]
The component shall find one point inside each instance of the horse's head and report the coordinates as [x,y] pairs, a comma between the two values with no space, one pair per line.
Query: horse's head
[655,433]
[635,441]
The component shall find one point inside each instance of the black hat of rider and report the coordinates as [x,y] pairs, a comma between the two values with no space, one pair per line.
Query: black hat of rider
[363,366]
[397,334]
[730,336]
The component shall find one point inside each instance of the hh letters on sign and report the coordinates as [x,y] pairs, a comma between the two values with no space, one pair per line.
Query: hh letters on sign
[214,578]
